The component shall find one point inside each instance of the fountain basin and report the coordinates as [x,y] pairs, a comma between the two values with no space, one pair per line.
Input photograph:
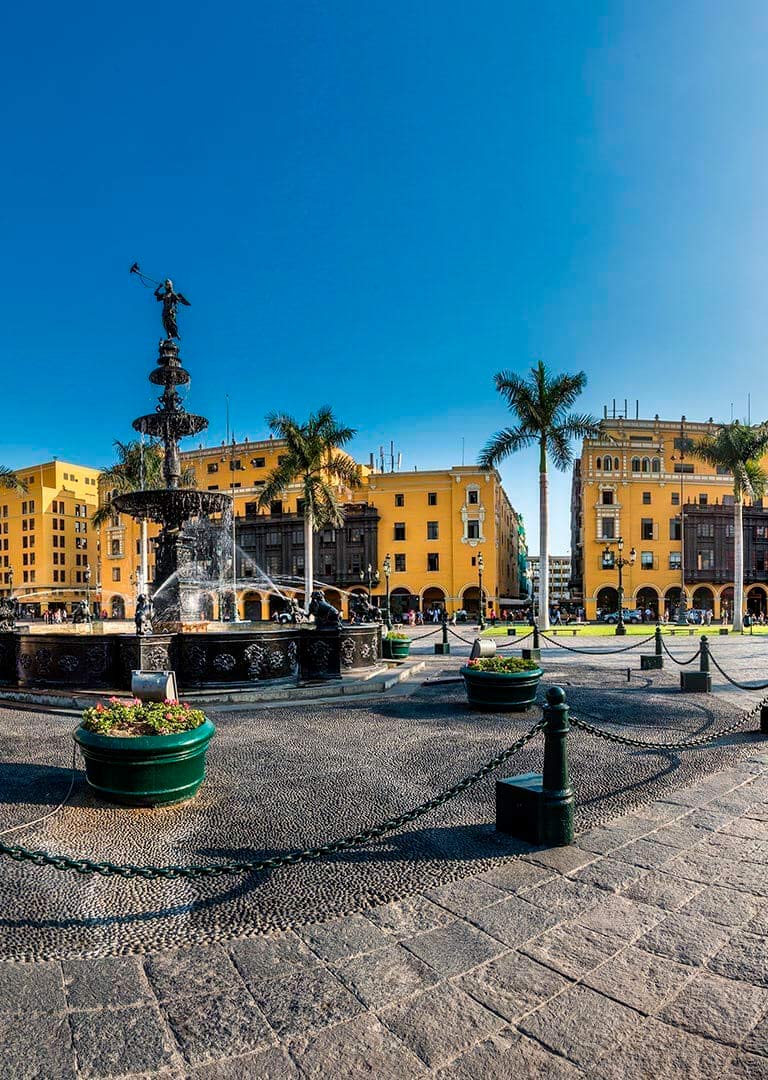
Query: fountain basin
[171,505]
[225,658]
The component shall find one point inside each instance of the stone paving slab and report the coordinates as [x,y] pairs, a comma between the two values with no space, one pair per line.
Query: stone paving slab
[567,963]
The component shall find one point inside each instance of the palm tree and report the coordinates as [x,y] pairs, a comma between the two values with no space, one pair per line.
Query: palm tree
[540,405]
[313,460]
[738,448]
[9,480]
[139,467]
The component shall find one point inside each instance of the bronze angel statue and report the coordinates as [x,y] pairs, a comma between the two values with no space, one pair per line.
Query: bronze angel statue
[170,301]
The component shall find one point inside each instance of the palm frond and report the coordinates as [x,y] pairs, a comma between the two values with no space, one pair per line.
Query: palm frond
[502,444]
[10,480]
[560,448]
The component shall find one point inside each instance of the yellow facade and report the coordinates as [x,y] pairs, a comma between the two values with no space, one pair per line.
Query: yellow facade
[238,468]
[449,517]
[634,481]
[47,539]
[435,524]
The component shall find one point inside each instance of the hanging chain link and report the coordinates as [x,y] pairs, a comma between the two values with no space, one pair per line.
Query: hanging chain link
[595,652]
[681,663]
[683,744]
[733,682]
[290,858]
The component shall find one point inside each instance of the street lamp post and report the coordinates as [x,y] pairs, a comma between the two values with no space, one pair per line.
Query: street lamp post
[387,568]
[620,563]
[480,568]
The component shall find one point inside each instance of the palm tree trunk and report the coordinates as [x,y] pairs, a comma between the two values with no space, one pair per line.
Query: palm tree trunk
[738,566]
[144,560]
[543,539]
[309,569]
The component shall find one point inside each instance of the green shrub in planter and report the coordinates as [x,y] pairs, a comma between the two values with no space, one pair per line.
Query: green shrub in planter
[395,646]
[504,683]
[144,753]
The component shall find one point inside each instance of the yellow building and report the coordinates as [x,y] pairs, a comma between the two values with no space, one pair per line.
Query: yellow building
[48,544]
[238,468]
[435,525]
[633,482]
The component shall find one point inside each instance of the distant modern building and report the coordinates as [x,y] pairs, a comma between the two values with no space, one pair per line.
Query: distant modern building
[559,578]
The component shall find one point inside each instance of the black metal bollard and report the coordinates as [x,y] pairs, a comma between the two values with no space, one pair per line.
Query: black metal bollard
[442,648]
[656,661]
[764,719]
[704,658]
[538,807]
[698,682]
[534,653]
[557,808]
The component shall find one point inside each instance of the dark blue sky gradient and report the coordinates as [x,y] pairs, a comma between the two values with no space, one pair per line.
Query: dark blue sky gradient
[379,205]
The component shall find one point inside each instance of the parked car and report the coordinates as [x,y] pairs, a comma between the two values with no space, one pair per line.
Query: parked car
[633,616]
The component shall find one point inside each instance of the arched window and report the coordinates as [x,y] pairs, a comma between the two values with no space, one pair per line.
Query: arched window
[607,465]
[655,465]
[635,464]
[616,464]
[646,464]
[598,463]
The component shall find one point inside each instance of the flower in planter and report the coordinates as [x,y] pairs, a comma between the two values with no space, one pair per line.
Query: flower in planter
[135,717]
[503,665]
[393,635]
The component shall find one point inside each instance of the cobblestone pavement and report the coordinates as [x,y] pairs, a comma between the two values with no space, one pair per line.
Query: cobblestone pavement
[640,951]
[283,778]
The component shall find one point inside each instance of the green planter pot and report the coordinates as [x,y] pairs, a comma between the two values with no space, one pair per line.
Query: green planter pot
[149,770]
[501,691]
[395,648]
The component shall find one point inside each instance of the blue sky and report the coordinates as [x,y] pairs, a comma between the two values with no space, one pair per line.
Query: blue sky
[379,205]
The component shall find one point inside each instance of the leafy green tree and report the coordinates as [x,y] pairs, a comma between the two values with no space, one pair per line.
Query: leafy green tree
[313,460]
[137,468]
[541,407]
[738,448]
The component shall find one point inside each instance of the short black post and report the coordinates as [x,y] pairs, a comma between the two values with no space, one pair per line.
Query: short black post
[442,648]
[534,653]
[656,661]
[557,803]
[698,682]
[704,658]
[538,807]
[764,719]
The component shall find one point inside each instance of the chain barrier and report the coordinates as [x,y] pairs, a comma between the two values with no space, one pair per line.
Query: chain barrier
[290,858]
[684,744]
[460,638]
[595,652]
[507,644]
[733,682]
[515,641]
[423,637]
[681,663]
